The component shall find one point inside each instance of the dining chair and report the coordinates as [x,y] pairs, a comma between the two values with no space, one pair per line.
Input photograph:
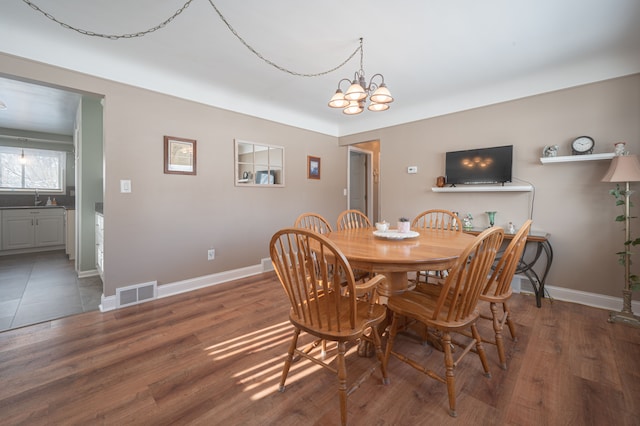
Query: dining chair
[355,219]
[497,290]
[352,219]
[314,222]
[319,224]
[436,219]
[309,267]
[454,308]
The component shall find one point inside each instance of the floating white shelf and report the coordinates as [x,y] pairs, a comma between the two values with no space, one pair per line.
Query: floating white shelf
[570,158]
[485,188]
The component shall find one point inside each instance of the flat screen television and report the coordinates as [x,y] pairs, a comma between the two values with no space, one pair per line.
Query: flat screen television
[479,166]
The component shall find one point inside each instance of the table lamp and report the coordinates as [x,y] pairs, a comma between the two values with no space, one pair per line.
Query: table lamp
[625,168]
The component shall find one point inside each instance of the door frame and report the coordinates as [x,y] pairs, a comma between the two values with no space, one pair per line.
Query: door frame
[369,178]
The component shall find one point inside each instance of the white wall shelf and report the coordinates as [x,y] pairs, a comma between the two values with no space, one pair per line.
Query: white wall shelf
[484,188]
[571,158]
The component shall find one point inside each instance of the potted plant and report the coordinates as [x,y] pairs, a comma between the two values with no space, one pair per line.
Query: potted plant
[404,225]
[624,256]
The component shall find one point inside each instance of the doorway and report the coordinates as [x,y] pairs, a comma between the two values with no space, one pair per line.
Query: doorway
[360,182]
[36,287]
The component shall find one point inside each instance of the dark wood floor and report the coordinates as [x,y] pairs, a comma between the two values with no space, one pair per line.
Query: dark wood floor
[214,356]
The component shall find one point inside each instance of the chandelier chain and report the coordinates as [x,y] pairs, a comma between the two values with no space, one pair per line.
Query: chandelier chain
[175,15]
[110,36]
[273,64]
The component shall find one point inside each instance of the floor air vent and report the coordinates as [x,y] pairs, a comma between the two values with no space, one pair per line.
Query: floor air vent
[132,295]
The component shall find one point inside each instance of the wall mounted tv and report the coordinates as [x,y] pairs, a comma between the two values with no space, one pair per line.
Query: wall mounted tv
[479,166]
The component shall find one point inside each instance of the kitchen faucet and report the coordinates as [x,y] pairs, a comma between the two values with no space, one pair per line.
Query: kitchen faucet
[37,200]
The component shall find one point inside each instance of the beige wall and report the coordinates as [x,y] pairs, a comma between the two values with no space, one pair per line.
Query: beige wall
[162,230]
[570,201]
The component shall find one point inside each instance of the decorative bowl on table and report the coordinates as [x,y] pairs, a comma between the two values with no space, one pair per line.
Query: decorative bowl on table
[382,226]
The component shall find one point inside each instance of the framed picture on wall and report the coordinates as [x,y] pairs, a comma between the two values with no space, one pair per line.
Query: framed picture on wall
[179,156]
[313,167]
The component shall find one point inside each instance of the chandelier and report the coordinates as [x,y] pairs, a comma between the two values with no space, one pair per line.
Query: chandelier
[354,99]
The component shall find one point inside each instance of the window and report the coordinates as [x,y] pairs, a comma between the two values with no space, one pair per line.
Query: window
[35,169]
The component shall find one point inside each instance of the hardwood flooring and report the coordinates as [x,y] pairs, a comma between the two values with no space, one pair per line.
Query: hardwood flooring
[214,356]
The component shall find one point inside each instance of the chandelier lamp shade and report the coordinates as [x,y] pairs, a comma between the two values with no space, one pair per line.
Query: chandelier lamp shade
[354,99]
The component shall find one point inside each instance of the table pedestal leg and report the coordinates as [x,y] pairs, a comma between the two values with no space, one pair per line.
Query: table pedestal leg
[397,283]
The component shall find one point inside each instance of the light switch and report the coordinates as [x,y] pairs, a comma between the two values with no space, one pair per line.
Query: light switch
[412,169]
[125,186]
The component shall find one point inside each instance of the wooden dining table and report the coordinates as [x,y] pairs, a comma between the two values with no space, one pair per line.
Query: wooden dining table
[429,250]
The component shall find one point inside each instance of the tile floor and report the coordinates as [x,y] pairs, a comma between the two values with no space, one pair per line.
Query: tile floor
[43,286]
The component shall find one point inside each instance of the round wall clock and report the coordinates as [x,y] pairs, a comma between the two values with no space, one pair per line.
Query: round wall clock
[582,145]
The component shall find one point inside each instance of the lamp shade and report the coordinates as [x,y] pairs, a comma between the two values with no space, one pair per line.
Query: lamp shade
[373,106]
[338,100]
[381,95]
[355,92]
[354,108]
[623,168]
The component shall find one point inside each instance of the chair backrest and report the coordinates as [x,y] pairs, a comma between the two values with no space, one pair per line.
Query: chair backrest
[352,219]
[461,289]
[437,219]
[500,281]
[313,271]
[314,222]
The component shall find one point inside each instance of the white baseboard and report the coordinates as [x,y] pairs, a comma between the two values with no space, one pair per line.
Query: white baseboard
[590,299]
[519,284]
[89,273]
[166,290]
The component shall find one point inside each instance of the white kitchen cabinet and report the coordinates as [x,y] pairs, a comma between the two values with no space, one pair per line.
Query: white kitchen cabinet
[100,244]
[29,228]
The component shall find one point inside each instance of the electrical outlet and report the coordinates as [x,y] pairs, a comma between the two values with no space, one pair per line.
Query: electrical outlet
[211,254]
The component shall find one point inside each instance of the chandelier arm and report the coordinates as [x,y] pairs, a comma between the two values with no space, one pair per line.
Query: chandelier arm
[110,36]
[281,68]
[344,79]
[372,85]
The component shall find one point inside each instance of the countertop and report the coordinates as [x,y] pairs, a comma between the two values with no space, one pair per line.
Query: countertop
[37,207]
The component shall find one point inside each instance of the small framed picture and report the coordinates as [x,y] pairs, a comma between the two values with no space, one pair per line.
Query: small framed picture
[313,167]
[179,156]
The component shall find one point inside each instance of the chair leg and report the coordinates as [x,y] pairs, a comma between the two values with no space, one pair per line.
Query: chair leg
[378,344]
[512,328]
[342,381]
[287,362]
[450,377]
[497,330]
[480,350]
[393,330]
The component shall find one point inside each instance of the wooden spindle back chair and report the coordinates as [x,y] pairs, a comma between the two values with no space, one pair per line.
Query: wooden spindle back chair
[352,219]
[452,310]
[311,269]
[314,222]
[497,290]
[435,219]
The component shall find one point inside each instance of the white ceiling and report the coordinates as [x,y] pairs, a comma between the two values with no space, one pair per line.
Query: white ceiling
[437,57]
